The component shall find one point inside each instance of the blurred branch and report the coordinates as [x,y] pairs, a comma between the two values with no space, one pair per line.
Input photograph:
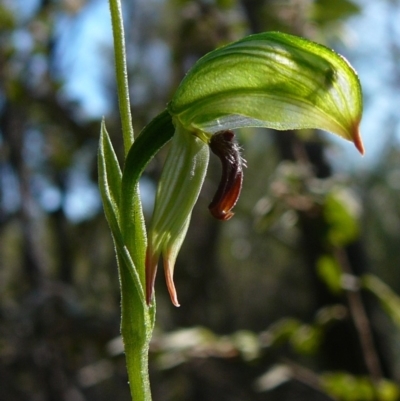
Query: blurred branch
[12,125]
[360,318]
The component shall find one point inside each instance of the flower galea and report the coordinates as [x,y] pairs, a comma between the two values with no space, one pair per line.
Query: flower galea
[269,80]
[178,189]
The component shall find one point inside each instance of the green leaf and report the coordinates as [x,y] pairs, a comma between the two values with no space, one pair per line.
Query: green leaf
[326,11]
[388,391]
[271,80]
[110,185]
[347,387]
[329,270]
[133,305]
[109,179]
[282,330]
[341,215]
[306,339]
[389,300]
[137,323]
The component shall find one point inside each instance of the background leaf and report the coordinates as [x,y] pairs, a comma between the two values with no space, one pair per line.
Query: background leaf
[330,272]
[341,214]
[325,11]
[389,300]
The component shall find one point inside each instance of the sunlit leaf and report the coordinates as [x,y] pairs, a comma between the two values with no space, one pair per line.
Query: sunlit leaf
[271,80]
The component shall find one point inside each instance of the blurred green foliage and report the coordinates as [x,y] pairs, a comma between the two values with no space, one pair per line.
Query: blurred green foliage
[350,388]
[330,272]
[264,313]
[324,12]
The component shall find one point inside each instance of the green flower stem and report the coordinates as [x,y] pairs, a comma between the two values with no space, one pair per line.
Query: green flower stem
[137,320]
[121,73]
[136,331]
[124,213]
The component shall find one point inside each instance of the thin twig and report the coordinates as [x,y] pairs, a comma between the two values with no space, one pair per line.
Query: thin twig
[361,321]
[308,377]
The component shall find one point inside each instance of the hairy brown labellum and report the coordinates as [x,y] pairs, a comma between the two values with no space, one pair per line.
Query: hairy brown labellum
[223,144]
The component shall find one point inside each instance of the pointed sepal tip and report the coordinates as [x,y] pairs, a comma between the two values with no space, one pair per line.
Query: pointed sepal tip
[358,141]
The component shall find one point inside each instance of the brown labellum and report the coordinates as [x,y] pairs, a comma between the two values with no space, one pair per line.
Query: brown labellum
[223,144]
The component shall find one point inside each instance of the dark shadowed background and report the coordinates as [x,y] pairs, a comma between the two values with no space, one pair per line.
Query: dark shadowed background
[292,299]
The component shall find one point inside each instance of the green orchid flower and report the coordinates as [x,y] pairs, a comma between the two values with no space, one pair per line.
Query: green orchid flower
[268,80]
[178,190]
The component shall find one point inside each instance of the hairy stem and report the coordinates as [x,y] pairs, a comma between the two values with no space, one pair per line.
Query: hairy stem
[121,73]
[137,320]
